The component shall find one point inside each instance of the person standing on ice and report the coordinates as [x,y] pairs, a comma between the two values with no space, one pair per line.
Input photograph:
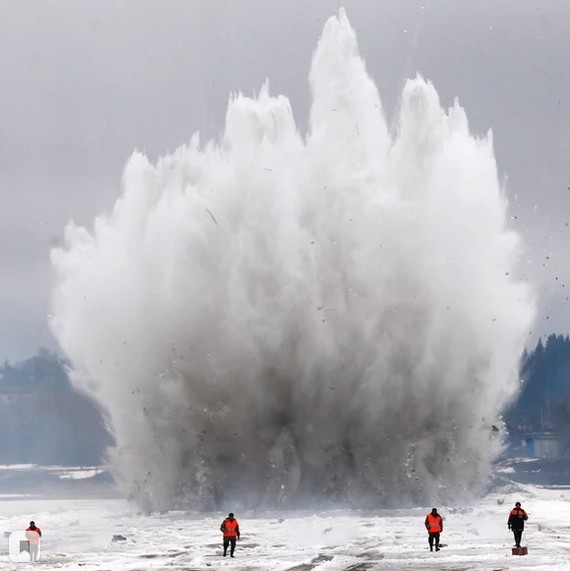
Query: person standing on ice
[517,517]
[230,529]
[434,526]
[33,534]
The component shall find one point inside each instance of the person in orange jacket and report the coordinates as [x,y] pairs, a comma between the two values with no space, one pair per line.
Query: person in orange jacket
[230,529]
[517,517]
[33,534]
[434,526]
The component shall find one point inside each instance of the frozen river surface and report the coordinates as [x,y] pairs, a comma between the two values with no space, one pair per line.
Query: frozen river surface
[77,535]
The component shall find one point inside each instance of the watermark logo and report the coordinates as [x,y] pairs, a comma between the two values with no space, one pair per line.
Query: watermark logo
[24,546]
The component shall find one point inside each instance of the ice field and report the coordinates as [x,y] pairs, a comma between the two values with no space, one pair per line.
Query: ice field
[77,534]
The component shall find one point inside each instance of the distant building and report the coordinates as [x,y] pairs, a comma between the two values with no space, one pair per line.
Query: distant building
[542,445]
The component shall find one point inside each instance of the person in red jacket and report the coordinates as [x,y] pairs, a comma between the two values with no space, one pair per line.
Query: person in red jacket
[230,529]
[33,534]
[517,517]
[434,526]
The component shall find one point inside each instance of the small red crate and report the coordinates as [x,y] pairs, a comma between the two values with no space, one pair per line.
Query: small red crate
[520,551]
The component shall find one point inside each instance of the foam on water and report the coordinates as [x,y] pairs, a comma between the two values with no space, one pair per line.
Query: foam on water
[274,318]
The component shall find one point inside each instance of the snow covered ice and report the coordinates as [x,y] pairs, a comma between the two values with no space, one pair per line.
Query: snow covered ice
[77,535]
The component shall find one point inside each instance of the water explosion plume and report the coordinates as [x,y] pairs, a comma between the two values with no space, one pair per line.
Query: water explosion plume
[272,318]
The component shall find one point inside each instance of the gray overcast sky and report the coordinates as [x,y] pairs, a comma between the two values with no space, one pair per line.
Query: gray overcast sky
[86,82]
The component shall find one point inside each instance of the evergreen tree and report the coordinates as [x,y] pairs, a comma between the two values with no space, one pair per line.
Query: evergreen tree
[43,420]
[543,403]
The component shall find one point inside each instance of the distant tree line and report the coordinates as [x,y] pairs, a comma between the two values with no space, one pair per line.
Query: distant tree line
[43,419]
[544,400]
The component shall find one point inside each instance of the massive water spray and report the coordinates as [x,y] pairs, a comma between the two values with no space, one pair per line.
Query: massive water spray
[272,318]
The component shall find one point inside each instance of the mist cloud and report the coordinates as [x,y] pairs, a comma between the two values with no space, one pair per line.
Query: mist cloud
[276,317]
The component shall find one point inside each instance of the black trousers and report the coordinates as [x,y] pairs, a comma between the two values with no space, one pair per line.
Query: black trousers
[229,541]
[431,537]
[518,536]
